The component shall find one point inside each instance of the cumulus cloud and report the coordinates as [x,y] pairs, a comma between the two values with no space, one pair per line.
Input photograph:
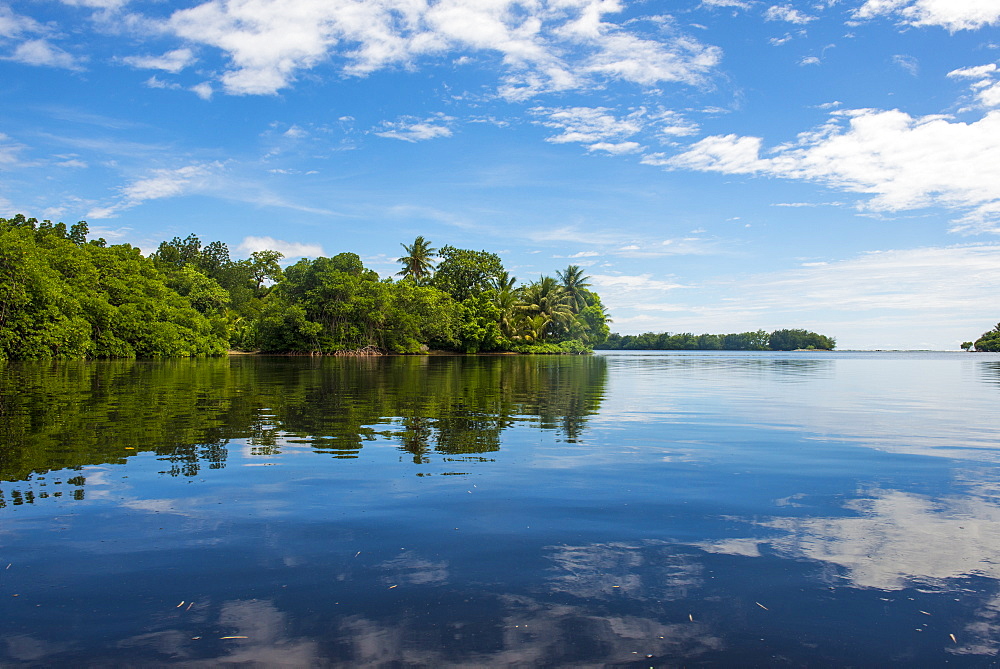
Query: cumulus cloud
[412,129]
[985,86]
[953,15]
[41,52]
[788,14]
[902,161]
[544,46]
[172,61]
[291,250]
[160,184]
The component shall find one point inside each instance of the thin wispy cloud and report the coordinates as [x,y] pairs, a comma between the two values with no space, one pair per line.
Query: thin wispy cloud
[171,61]
[161,183]
[411,129]
[605,129]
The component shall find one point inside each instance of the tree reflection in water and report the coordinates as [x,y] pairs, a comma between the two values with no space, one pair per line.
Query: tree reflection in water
[67,415]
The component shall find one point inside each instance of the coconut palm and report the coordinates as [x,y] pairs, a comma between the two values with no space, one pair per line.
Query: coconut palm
[506,300]
[547,298]
[575,284]
[417,263]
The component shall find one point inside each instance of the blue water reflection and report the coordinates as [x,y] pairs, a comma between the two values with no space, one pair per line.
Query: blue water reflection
[631,509]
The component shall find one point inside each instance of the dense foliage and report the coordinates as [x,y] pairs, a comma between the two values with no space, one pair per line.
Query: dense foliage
[779,340]
[62,296]
[989,341]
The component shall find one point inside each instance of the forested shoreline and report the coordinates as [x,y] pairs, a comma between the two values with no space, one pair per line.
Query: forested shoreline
[989,341]
[64,296]
[779,340]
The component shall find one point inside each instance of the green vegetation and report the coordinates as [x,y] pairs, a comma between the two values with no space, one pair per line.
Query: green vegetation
[779,340]
[62,296]
[989,341]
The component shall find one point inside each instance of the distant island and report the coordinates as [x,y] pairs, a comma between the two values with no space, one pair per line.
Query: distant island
[988,341]
[779,340]
[63,296]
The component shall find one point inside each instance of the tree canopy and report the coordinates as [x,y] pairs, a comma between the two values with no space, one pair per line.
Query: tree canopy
[62,296]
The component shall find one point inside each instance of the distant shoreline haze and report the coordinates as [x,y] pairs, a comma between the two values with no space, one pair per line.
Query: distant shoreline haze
[779,340]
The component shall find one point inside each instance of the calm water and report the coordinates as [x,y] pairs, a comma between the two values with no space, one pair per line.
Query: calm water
[640,509]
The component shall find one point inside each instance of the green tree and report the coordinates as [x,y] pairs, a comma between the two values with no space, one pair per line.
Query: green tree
[463,273]
[990,340]
[574,283]
[264,266]
[548,299]
[418,262]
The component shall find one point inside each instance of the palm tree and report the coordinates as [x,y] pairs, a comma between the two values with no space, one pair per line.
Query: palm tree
[547,298]
[506,300]
[417,263]
[575,284]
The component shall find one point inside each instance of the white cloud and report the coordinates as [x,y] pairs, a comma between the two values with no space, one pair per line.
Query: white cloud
[630,283]
[203,90]
[172,61]
[41,52]
[14,25]
[153,82]
[985,87]
[902,161]
[97,4]
[952,15]
[600,129]
[810,60]
[908,63]
[788,14]
[741,4]
[411,129]
[545,45]
[160,184]
[8,151]
[616,148]
[978,72]
[588,124]
[291,250]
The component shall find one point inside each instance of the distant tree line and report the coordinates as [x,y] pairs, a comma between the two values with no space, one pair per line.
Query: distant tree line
[989,341]
[779,340]
[64,296]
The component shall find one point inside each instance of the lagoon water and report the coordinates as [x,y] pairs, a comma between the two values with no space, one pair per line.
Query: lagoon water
[646,509]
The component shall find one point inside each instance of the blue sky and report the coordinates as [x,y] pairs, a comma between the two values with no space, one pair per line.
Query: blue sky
[715,165]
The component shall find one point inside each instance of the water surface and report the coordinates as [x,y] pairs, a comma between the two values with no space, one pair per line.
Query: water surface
[647,509]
